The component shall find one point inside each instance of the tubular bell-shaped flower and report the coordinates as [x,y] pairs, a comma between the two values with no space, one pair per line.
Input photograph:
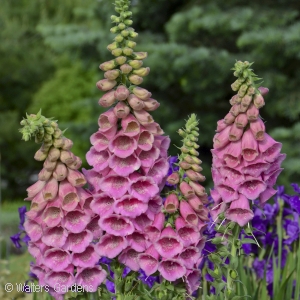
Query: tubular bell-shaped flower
[60,220]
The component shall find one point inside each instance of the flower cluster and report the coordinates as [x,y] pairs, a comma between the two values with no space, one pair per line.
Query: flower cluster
[129,153]
[246,160]
[60,223]
[176,234]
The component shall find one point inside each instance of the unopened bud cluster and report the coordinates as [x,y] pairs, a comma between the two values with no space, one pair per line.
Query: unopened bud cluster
[124,73]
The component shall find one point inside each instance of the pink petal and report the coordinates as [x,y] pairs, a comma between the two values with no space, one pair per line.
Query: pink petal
[102,204]
[86,259]
[99,141]
[138,241]
[94,227]
[232,175]
[111,246]
[159,170]
[116,225]
[129,257]
[252,188]
[122,145]
[227,193]
[115,186]
[171,269]
[124,166]
[145,140]
[91,277]
[57,259]
[55,237]
[143,188]
[60,281]
[141,222]
[99,160]
[130,125]
[130,207]
[77,242]
[148,157]
[190,256]
[33,229]
[76,221]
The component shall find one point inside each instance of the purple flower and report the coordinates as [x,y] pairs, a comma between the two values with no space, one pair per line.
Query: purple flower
[294,202]
[149,280]
[126,271]
[110,286]
[296,187]
[22,210]
[292,230]
[16,240]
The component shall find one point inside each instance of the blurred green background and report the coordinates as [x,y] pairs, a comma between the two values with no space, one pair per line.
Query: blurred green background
[50,52]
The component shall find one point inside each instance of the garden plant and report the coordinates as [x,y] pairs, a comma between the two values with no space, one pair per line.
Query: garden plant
[139,223]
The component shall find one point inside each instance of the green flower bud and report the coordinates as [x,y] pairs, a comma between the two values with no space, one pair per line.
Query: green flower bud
[128,22]
[195,133]
[194,152]
[189,143]
[114,29]
[120,60]
[121,26]
[117,52]
[128,14]
[242,90]
[181,133]
[112,46]
[23,122]
[184,149]
[49,129]
[233,274]
[125,33]
[125,7]
[113,17]
[234,262]
[140,55]
[123,15]
[57,133]
[135,79]
[136,64]
[127,51]
[119,38]
[217,240]
[130,44]
[215,258]
[142,71]
[133,34]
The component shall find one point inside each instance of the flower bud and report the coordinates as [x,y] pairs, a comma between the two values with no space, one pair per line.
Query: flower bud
[121,110]
[263,90]
[184,149]
[241,120]
[127,51]
[49,165]
[198,188]
[135,79]
[143,117]
[194,152]
[236,85]
[173,178]
[242,90]
[140,55]
[108,65]
[196,168]
[135,102]
[233,100]
[246,100]
[40,155]
[195,176]
[112,74]
[229,119]
[58,143]
[119,38]
[130,44]
[258,129]
[196,204]
[133,34]
[76,164]
[76,178]
[125,33]
[128,22]
[251,91]
[57,133]
[121,26]
[67,157]
[136,64]
[142,71]
[126,69]
[235,133]
[151,104]
[252,113]
[68,144]
[120,60]
[107,99]
[44,175]
[171,204]
[259,101]
[141,93]
[60,172]
[53,154]
[112,46]
[114,29]
[121,93]
[186,190]
[105,84]
[49,129]
[184,165]
[235,109]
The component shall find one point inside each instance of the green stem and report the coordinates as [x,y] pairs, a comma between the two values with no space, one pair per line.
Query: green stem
[233,252]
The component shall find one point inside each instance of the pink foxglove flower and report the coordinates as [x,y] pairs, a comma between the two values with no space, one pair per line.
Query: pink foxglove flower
[246,162]
[60,223]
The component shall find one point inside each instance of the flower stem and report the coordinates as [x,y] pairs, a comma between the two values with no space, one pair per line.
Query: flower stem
[233,252]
